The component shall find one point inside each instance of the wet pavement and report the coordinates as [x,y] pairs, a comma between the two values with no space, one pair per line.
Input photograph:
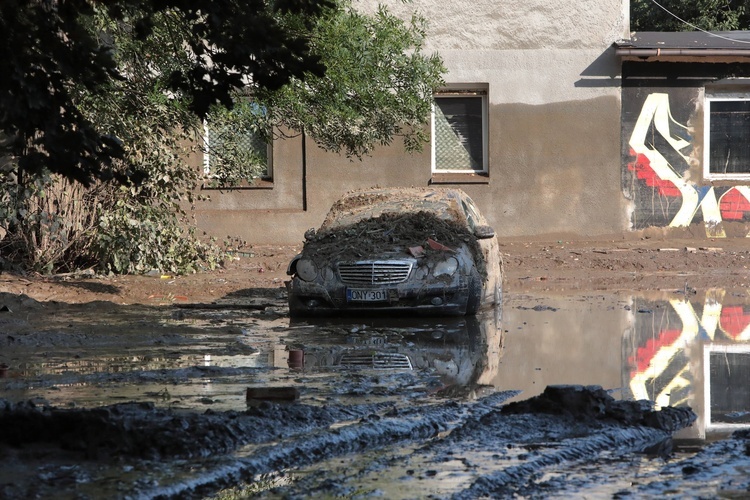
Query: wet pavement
[433,381]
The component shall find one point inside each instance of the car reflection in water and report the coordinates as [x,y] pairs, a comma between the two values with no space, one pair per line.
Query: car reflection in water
[464,352]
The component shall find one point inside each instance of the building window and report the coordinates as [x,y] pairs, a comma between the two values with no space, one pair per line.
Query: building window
[459,132]
[727,137]
[236,152]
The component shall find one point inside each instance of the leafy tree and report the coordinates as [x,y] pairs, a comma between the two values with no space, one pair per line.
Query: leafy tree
[53,224]
[378,85]
[709,15]
[48,51]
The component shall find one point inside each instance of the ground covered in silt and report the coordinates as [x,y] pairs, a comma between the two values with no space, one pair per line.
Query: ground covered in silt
[136,387]
[445,448]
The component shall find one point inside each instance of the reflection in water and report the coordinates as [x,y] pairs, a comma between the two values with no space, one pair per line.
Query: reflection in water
[128,364]
[666,347]
[462,351]
[693,352]
[663,347]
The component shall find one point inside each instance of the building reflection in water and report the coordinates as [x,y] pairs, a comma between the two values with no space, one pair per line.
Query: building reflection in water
[664,347]
[693,352]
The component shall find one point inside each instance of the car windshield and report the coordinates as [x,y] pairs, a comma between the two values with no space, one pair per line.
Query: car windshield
[368,205]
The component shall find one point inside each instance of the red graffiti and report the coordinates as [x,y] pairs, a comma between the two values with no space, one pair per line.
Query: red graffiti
[642,168]
[643,355]
[734,205]
[733,320]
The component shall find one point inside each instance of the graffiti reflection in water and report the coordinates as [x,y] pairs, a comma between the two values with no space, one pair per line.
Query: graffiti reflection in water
[693,352]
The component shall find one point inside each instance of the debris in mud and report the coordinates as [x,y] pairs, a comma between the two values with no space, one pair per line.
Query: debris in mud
[379,234]
[272,393]
[593,403]
[538,308]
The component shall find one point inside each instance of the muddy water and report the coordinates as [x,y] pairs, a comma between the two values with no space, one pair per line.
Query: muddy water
[671,348]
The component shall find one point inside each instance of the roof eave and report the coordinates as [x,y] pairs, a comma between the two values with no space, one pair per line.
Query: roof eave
[653,52]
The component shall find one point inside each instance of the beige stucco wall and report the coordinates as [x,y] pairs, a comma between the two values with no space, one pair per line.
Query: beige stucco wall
[554,128]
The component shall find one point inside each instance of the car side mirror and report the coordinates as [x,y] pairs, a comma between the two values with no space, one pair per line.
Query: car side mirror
[484,232]
[309,234]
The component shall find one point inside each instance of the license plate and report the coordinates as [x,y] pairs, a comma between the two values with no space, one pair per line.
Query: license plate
[366,295]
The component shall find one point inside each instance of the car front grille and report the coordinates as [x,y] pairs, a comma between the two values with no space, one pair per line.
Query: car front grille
[378,272]
[379,360]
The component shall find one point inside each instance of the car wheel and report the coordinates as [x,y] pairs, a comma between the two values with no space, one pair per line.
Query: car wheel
[474,299]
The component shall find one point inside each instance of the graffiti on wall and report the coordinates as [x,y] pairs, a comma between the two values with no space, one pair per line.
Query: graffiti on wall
[661,154]
[675,342]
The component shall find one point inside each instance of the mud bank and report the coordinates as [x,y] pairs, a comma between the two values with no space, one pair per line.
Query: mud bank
[94,451]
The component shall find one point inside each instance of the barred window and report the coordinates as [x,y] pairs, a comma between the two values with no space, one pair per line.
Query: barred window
[727,137]
[459,132]
[236,151]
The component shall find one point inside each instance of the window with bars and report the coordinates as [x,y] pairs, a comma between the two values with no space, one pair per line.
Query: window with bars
[459,132]
[236,152]
[727,138]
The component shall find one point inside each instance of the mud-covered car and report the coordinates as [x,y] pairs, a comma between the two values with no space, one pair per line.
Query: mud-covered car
[411,250]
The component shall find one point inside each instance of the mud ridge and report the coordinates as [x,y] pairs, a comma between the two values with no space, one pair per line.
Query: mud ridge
[144,431]
[507,482]
[719,467]
[396,426]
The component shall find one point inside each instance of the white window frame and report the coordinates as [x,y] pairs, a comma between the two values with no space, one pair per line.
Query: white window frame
[463,90]
[709,424]
[718,96]
[207,156]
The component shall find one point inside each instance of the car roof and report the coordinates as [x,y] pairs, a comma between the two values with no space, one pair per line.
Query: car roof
[369,203]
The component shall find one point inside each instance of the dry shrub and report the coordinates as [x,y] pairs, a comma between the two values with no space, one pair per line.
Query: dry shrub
[52,224]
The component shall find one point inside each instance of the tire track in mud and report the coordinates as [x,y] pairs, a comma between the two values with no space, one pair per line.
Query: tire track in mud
[509,481]
[718,470]
[396,426]
[584,422]
[547,440]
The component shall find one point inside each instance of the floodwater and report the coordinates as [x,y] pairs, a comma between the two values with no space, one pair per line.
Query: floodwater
[669,348]
[674,349]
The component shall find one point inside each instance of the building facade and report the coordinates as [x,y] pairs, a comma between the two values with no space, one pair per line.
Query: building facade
[528,125]
[686,132]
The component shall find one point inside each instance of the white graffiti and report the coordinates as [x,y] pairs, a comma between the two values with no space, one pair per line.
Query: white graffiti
[656,111]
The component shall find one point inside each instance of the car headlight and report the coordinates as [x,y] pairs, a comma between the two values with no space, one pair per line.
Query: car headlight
[446,267]
[307,270]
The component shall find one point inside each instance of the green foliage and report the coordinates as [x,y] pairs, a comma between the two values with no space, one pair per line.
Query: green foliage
[378,84]
[49,51]
[123,228]
[131,215]
[137,238]
[237,144]
[709,15]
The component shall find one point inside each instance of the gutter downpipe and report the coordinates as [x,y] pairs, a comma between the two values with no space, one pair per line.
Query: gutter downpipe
[304,171]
